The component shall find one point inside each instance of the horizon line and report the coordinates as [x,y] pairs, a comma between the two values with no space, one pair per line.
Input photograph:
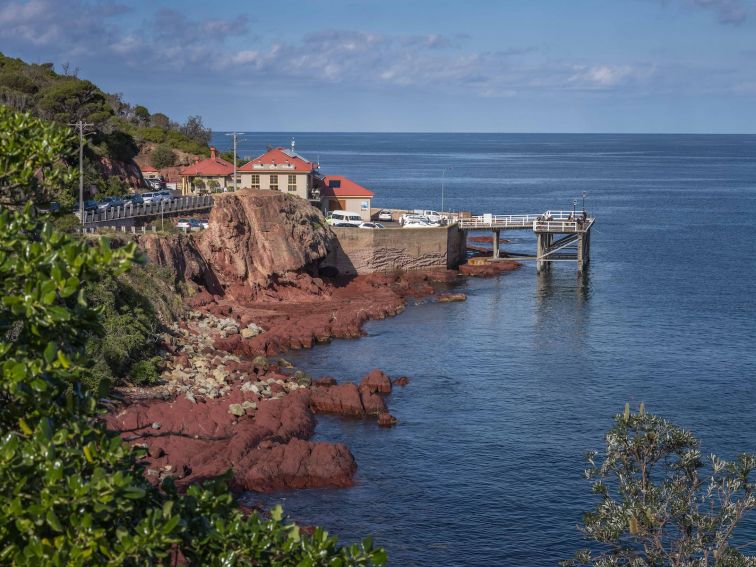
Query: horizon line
[249,131]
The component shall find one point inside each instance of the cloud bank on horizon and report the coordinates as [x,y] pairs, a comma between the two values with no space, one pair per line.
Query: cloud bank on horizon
[425,65]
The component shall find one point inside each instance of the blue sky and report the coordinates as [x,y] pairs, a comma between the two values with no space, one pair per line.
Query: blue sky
[410,65]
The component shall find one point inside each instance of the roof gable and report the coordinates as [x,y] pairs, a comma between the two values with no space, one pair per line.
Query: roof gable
[340,186]
[279,159]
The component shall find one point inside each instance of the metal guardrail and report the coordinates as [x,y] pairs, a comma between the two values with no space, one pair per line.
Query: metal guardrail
[128,211]
[550,221]
[498,221]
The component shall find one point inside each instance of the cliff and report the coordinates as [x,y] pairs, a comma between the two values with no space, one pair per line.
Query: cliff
[256,238]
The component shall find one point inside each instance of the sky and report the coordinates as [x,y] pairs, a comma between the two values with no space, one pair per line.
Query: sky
[651,66]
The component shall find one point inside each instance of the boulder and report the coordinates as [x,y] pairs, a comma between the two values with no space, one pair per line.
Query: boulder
[377,381]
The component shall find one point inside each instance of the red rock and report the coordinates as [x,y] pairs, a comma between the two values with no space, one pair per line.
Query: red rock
[324,381]
[385,419]
[401,381]
[377,381]
[450,297]
[372,402]
[341,399]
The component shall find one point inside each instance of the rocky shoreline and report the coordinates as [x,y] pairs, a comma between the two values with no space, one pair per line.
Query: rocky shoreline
[226,401]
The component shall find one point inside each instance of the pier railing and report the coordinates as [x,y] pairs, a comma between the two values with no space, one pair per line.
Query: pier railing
[498,221]
[550,221]
[129,210]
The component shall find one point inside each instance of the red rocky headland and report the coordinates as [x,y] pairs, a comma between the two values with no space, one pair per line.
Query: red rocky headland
[225,401]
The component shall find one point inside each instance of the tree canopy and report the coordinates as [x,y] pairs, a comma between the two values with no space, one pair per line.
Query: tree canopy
[661,503]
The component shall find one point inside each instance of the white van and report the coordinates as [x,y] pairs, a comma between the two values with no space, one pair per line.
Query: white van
[343,217]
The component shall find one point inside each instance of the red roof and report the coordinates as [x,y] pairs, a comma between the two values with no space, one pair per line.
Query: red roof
[213,165]
[340,186]
[148,168]
[281,158]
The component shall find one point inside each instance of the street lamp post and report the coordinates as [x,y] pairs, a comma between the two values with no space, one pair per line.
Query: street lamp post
[574,204]
[584,196]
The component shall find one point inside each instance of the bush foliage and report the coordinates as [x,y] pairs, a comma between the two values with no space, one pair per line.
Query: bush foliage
[660,502]
[73,493]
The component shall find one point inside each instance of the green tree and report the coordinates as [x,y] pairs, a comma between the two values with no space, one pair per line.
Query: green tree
[199,184]
[162,156]
[72,99]
[142,114]
[73,493]
[32,167]
[160,120]
[195,130]
[661,504]
[213,185]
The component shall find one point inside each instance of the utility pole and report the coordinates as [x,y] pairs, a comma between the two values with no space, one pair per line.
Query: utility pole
[234,135]
[443,179]
[81,125]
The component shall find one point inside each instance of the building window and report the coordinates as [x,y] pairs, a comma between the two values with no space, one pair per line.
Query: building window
[255,181]
[274,182]
[292,183]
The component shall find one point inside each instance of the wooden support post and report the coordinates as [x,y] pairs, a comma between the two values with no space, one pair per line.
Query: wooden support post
[496,244]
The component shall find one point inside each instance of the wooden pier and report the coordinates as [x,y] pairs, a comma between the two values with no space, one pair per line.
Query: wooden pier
[561,236]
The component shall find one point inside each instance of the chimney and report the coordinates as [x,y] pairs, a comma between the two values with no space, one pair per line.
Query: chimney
[212,152]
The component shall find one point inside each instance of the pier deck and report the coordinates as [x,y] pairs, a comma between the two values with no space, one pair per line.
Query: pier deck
[560,235]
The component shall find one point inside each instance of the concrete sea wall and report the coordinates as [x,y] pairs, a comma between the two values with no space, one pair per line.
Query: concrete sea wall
[361,251]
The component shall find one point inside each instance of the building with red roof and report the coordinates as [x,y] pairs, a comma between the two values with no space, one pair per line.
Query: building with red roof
[339,193]
[207,174]
[281,169]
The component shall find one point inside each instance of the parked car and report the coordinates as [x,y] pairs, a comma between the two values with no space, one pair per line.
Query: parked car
[371,225]
[433,216]
[385,215]
[156,184]
[201,223]
[345,225]
[156,196]
[184,224]
[135,200]
[337,217]
[417,222]
[109,203]
[404,219]
[90,205]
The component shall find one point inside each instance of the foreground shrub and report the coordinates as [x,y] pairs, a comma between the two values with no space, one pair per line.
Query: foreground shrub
[661,503]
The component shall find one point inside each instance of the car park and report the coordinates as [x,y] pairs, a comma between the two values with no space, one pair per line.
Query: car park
[109,203]
[385,215]
[335,218]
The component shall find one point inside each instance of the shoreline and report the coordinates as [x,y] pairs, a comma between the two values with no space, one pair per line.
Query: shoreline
[228,404]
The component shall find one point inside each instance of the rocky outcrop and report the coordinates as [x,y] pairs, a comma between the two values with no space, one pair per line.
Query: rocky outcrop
[179,254]
[128,171]
[257,238]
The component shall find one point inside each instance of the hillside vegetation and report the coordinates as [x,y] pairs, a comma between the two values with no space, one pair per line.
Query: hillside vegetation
[119,128]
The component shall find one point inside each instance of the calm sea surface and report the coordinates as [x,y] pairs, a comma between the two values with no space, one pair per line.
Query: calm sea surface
[510,388]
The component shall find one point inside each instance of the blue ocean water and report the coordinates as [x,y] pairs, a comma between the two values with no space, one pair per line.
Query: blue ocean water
[510,388]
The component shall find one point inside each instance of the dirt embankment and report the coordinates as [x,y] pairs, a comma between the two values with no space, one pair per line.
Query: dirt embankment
[224,402]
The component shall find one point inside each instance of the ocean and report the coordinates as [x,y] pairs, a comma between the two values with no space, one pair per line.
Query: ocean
[511,388]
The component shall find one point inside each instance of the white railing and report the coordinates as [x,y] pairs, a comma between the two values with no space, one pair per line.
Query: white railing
[129,210]
[498,221]
[550,221]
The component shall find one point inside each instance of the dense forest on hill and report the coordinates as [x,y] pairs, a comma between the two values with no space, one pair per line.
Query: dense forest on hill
[118,128]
